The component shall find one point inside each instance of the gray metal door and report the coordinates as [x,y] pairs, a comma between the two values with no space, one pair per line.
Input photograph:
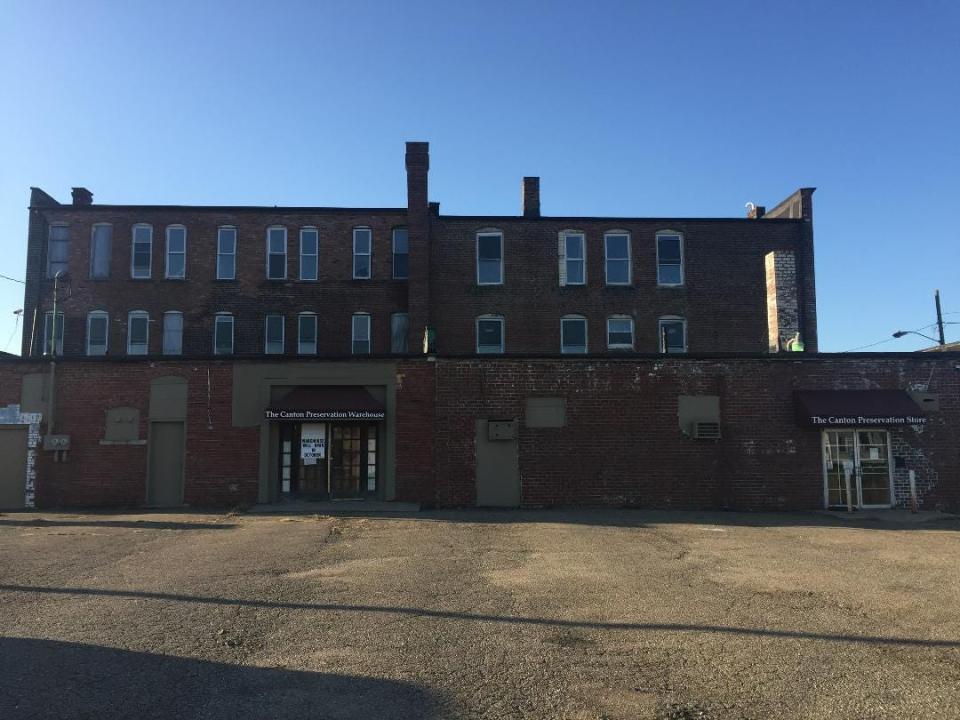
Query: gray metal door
[13,466]
[498,470]
[165,483]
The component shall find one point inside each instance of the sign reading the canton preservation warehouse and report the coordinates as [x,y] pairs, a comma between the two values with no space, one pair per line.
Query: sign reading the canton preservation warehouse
[831,420]
[324,414]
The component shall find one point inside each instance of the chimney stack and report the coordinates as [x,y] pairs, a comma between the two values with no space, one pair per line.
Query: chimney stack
[757,212]
[418,167]
[531,197]
[82,196]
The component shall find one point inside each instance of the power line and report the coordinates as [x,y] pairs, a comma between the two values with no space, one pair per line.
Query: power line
[890,339]
[7,277]
[16,326]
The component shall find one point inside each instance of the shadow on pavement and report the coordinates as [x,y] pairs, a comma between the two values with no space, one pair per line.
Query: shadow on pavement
[131,524]
[46,678]
[478,617]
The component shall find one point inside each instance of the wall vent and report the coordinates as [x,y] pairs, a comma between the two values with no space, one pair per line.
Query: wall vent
[706,430]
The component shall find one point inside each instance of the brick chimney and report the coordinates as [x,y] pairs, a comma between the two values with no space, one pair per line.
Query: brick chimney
[418,235]
[757,212]
[531,197]
[82,196]
[783,307]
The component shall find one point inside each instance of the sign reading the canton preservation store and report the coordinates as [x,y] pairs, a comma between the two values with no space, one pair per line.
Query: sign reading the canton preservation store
[324,414]
[874,420]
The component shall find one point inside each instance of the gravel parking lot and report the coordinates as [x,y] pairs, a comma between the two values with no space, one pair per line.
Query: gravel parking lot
[478,615]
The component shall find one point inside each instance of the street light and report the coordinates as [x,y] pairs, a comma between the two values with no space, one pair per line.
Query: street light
[901,333]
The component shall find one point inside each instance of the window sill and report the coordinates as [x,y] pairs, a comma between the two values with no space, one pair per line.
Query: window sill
[123,442]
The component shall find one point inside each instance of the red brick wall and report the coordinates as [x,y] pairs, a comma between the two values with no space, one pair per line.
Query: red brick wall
[416,390]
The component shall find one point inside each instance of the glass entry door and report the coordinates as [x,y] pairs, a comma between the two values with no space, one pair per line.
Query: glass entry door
[863,456]
[353,461]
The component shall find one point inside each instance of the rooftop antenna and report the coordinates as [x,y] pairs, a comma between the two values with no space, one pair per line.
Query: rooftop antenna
[750,206]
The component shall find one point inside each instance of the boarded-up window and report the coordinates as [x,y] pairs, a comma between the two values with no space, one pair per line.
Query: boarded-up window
[123,424]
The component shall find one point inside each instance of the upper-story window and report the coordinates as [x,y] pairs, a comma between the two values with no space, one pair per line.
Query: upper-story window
[362,253]
[98,332]
[490,257]
[223,334]
[673,334]
[138,332]
[309,253]
[277,253]
[101,249]
[58,249]
[176,252]
[226,253]
[573,334]
[573,258]
[401,254]
[52,333]
[490,336]
[307,333]
[173,333]
[360,334]
[141,254]
[616,247]
[273,335]
[669,258]
[399,328]
[620,332]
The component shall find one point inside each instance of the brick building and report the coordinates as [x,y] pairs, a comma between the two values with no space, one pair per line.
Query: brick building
[229,355]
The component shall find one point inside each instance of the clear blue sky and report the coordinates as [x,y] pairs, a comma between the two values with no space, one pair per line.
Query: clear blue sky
[634,108]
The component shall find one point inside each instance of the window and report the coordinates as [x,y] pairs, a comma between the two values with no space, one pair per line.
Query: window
[58,249]
[362,251]
[273,335]
[223,334]
[573,258]
[57,333]
[307,334]
[277,253]
[401,254]
[620,332]
[617,252]
[173,333]
[361,334]
[490,258]
[573,334]
[98,327]
[142,254]
[673,335]
[309,253]
[138,332]
[176,252]
[226,253]
[669,258]
[101,248]
[399,326]
[490,334]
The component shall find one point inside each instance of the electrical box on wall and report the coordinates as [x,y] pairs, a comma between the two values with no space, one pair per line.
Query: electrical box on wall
[501,430]
[56,442]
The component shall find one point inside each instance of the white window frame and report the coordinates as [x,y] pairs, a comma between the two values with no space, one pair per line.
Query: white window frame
[285,252]
[565,261]
[368,254]
[503,334]
[66,263]
[316,255]
[586,335]
[168,252]
[621,346]
[393,258]
[353,333]
[133,251]
[98,315]
[163,339]
[316,337]
[407,334]
[671,319]
[138,315]
[266,333]
[216,321]
[683,269]
[93,251]
[499,233]
[58,346]
[220,253]
[607,258]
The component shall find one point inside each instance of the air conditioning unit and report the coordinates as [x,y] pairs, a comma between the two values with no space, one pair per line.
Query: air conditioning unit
[703,430]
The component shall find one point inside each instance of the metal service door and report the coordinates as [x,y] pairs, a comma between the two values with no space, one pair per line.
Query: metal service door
[165,480]
[13,469]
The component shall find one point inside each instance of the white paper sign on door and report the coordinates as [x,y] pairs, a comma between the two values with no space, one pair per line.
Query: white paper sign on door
[313,442]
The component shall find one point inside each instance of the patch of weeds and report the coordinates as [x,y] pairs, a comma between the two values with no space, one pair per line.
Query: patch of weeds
[683,711]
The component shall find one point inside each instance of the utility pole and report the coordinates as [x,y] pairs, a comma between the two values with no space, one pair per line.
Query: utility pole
[936,297]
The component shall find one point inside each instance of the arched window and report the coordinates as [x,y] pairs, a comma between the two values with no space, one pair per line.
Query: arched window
[490,334]
[672,333]
[620,332]
[670,258]
[573,334]
[98,332]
